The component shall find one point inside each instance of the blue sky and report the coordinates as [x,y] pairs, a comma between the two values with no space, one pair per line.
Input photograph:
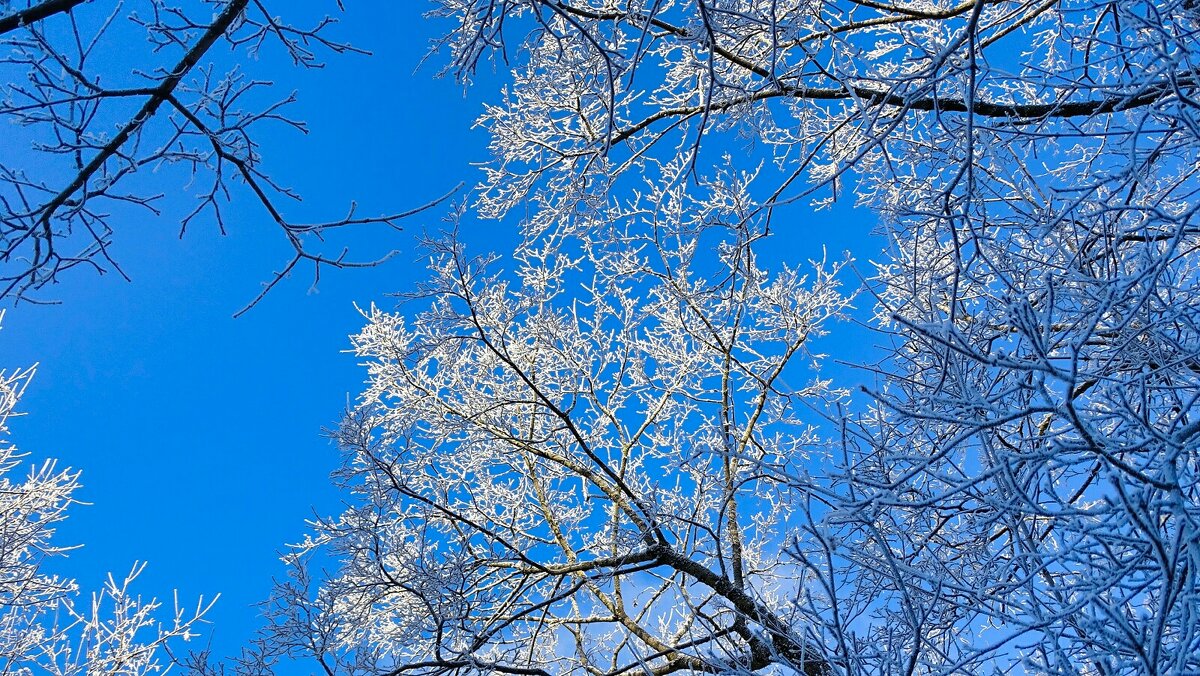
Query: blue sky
[199,436]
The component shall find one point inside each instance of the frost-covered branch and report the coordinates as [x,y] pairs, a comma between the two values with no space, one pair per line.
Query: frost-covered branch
[45,625]
[568,469]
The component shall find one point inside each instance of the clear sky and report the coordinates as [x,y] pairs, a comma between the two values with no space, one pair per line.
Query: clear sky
[199,436]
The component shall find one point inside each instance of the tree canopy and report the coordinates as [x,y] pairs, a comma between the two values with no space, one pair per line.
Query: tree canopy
[612,450]
[1017,491]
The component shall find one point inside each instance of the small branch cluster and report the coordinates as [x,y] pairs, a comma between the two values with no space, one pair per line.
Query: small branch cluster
[44,626]
[91,136]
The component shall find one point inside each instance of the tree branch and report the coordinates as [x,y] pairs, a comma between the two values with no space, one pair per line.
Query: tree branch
[45,10]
